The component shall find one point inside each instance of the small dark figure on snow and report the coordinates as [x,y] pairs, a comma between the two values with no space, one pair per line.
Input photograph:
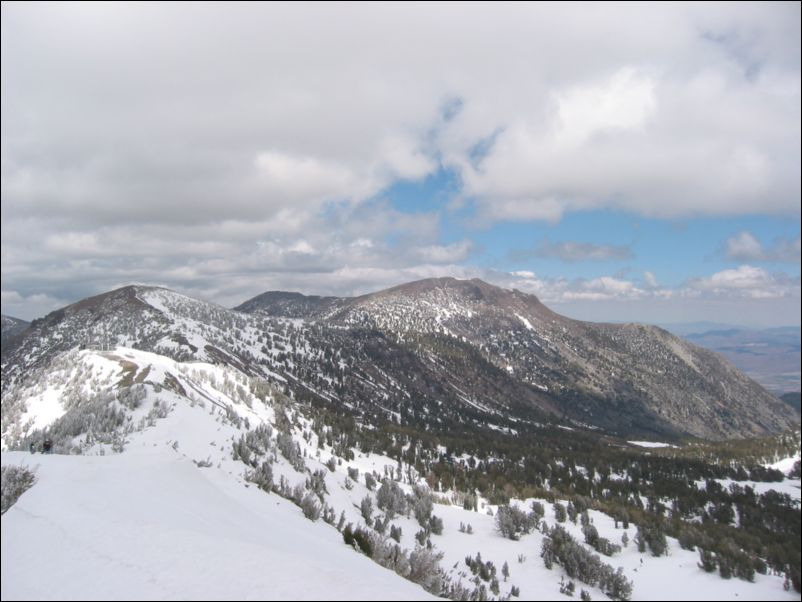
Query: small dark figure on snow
[47,446]
[32,447]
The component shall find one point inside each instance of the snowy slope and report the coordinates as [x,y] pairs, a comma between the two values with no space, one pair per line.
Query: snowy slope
[785,465]
[149,524]
[673,577]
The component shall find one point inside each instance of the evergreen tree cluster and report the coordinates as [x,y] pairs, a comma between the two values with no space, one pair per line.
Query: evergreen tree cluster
[560,548]
[512,522]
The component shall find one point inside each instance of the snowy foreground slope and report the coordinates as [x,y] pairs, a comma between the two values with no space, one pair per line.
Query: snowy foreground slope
[149,524]
[172,516]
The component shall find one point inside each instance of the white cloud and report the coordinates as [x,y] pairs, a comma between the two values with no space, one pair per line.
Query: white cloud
[745,247]
[744,282]
[572,251]
[658,118]
[561,290]
[743,277]
[650,279]
[405,159]
[10,297]
[524,273]
[748,281]
[622,102]
[604,288]
[305,178]
[453,253]
[28,307]
[230,159]
[547,209]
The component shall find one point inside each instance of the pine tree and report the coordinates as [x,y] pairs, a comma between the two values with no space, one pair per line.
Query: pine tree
[366,508]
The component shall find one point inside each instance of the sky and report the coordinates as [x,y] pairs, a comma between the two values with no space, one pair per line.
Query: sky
[620,161]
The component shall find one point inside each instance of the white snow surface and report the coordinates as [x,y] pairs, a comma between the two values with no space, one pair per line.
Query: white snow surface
[526,322]
[673,577]
[790,487]
[654,444]
[786,464]
[149,524]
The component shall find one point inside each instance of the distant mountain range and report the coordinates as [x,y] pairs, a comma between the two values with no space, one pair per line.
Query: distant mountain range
[792,399]
[11,327]
[438,354]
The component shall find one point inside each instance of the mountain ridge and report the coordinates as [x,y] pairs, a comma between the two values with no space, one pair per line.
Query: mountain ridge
[434,352]
[543,346]
[11,327]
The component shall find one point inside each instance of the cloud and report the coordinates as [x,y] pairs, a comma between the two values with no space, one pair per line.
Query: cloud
[744,282]
[232,261]
[623,102]
[548,209]
[745,247]
[226,158]
[747,296]
[748,281]
[604,288]
[30,306]
[570,252]
[562,290]
[659,119]
[307,178]
[453,253]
